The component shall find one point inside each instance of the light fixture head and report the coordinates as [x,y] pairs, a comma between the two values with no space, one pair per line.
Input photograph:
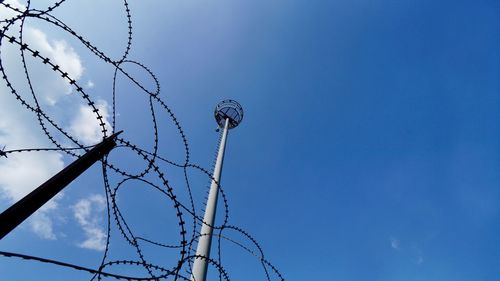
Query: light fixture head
[228,109]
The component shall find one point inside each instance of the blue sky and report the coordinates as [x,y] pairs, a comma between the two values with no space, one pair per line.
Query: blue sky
[369,148]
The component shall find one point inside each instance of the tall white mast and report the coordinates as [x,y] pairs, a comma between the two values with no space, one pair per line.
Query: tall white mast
[228,115]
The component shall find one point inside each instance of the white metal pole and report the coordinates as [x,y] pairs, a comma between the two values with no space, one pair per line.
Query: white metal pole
[204,242]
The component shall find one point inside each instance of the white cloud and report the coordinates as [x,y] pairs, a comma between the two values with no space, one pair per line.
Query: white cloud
[88,213]
[89,84]
[58,51]
[21,173]
[61,54]
[85,126]
[41,224]
[19,128]
[395,243]
[8,13]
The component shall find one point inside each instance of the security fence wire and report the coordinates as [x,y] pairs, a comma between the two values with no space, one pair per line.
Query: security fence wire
[12,32]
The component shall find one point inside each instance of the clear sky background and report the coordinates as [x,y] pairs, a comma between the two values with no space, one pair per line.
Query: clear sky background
[369,149]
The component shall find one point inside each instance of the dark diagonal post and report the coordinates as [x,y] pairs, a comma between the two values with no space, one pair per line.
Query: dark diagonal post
[25,207]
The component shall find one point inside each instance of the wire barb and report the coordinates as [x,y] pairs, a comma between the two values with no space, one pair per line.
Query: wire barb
[2,152]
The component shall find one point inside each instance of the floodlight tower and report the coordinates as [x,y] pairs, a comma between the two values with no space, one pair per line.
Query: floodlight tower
[228,114]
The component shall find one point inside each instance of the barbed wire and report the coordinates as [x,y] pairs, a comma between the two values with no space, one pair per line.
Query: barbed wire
[58,136]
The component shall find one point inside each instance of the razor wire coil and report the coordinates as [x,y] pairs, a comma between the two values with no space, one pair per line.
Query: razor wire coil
[183,211]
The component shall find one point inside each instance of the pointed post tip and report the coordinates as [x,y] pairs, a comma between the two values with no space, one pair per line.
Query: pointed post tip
[115,134]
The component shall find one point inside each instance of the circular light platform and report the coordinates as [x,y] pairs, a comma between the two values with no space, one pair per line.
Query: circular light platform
[228,109]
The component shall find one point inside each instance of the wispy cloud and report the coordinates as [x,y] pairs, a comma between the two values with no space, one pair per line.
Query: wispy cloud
[89,212]
[59,51]
[8,13]
[22,172]
[85,125]
[413,252]
[41,224]
[395,243]
[90,84]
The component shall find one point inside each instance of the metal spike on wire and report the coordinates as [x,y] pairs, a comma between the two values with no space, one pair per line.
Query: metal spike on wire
[2,152]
